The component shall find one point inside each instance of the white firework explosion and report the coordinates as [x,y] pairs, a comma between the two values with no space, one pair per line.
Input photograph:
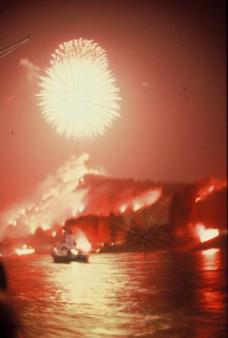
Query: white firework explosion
[79,95]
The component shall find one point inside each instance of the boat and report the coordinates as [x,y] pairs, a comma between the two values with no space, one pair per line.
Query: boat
[68,251]
[60,259]
[83,258]
[69,256]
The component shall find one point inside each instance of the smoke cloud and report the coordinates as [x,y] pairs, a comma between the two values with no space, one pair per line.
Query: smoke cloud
[31,69]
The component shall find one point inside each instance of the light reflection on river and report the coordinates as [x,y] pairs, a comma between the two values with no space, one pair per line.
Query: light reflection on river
[159,295]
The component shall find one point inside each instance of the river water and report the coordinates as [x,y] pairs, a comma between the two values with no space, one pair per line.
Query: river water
[157,295]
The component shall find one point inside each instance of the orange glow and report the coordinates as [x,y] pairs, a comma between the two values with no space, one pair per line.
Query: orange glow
[25,250]
[210,252]
[205,234]
[136,205]
[210,259]
[152,197]
[211,298]
[209,188]
[82,242]
[123,207]
[45,226]
[145,200]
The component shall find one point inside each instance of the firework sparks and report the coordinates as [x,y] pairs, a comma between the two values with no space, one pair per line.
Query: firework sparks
[79,95]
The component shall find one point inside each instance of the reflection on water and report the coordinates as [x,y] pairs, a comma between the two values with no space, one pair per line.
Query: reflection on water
[154,295]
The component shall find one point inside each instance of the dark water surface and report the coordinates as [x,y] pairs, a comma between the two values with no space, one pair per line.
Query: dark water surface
[159,295]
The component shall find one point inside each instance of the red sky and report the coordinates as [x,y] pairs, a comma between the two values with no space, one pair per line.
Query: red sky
[169,58]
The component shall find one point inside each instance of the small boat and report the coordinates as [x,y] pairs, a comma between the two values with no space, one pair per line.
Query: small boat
[68,257]
[68,251]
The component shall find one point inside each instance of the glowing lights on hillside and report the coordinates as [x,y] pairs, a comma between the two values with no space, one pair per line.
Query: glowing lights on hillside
[136,205]
[79,96]
[145,200]
[205,234]
[58,197]
[123,207]
[211,186]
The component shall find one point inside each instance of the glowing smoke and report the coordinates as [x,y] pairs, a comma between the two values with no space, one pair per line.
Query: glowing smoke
[31,69]
[79,95]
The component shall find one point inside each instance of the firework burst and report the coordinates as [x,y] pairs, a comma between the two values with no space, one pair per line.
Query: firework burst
[79,95]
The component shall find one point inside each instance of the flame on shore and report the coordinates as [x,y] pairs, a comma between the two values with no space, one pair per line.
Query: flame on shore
[211,186]
[205,234]
[142,201]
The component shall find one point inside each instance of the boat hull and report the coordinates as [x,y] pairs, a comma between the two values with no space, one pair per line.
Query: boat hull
[72,258]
